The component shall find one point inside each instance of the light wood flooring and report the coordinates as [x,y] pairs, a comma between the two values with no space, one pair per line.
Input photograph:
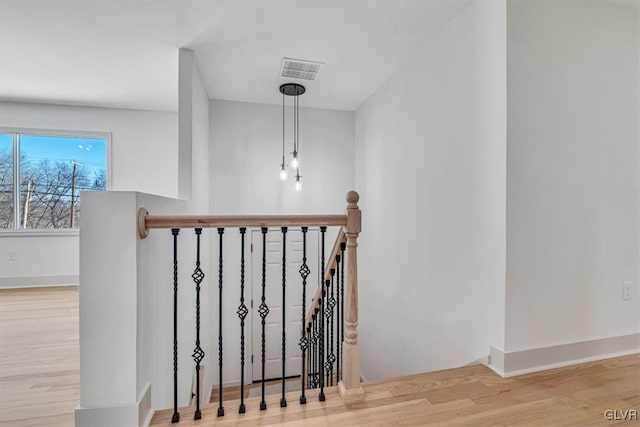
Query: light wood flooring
[468,396]
[39,357]
[39,384]
[233,392]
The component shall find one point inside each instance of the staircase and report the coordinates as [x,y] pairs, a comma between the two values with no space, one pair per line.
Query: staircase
[328,339]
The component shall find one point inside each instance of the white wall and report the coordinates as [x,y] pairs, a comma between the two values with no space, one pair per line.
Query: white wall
[126,324]
[128,371]
[143,143]
[245,153]
[200,174]
[155,307]
[155,323]
[108,300]
[40,260]
[430,168]
[143,153]
[573,175]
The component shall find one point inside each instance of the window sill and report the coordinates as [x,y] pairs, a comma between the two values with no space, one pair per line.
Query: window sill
[39,233]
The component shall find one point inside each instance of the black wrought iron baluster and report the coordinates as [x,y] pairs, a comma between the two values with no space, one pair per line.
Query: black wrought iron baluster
[304,272]
[283,400]
[338,258]
[343,246]
[331,303]
[325,308]
[316,348]
[312,352]
[264,309]
[327,341]
[220,406]
[321,396]
[309,357]
[321,346]
[242,314]
[198,353]
[176,415]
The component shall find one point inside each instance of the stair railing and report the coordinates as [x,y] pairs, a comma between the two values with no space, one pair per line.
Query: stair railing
[335,305]
[329,336]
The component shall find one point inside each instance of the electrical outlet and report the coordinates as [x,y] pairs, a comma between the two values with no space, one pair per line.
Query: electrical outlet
[12,255]
[626,291]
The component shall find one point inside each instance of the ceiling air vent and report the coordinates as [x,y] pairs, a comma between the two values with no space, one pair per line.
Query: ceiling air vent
[300,68]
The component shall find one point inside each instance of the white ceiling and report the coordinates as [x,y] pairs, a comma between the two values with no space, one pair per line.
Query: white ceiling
[124,54]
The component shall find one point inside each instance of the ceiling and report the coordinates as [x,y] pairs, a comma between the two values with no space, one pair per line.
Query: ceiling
[124,54]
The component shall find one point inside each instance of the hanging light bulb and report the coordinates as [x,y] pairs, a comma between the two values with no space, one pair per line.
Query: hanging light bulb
[298,182]
[293,90]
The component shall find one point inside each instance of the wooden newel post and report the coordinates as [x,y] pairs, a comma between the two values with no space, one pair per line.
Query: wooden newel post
[350,388]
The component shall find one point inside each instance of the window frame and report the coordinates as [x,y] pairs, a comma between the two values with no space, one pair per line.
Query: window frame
[16,132]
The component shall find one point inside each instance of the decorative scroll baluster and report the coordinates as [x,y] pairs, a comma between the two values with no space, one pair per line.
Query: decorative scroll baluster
[263,310]
[220,406]
[176,415]
[198,353]
[343,246]
[242,314]
[304,272]
[328,354]
[321,396]
[283,400]
[338,258]
[331,303]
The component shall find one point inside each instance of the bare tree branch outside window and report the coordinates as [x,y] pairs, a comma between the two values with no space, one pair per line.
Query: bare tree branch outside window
[49,190]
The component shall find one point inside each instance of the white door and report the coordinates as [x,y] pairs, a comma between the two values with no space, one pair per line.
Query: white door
[273,299]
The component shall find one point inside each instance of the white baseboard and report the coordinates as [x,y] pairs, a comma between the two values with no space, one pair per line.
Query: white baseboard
[513,363]
[145,412]
[138,414]
[38,281]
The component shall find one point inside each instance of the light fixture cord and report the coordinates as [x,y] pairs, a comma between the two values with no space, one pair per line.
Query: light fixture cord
[283,129]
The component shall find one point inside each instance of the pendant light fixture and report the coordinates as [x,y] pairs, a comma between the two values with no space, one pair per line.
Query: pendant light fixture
[298,182]
[294,90]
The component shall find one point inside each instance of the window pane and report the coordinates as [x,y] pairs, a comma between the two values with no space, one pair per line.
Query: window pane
[6,180]
[53,172]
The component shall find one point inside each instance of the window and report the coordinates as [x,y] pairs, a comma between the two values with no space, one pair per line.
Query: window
[42,175]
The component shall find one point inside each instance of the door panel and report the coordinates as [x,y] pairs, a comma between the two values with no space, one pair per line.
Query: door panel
[273,296]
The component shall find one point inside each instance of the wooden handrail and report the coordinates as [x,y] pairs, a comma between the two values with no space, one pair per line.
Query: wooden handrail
[146,221]
[349,386]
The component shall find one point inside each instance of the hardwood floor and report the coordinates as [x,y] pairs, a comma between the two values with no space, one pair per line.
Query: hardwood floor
[39,357]
[468,396]
[39,384]
[233,392]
